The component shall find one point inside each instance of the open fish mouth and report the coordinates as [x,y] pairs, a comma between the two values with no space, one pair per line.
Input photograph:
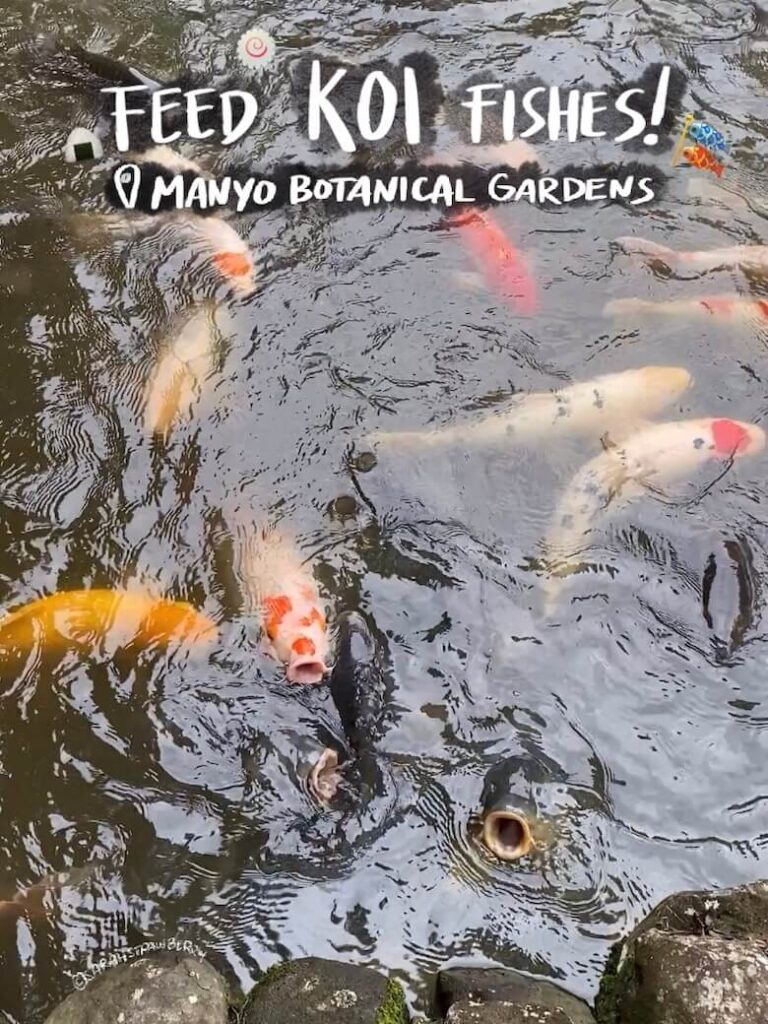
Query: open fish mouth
[507,834]
[307,671]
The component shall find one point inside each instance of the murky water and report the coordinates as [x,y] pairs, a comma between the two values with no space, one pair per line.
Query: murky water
[181,775]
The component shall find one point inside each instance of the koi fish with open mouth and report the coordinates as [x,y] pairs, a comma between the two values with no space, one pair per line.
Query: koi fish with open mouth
[283,593]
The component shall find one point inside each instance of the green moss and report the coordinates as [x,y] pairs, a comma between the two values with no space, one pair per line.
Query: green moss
[392,1008]
[611,985]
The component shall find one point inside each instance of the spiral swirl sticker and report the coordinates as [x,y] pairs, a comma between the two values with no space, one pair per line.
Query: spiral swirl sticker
[255,48]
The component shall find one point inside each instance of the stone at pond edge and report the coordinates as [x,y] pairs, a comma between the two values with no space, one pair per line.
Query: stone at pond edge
[490,985]
[695,952]
[324,990]
[161,989]
[506,1013]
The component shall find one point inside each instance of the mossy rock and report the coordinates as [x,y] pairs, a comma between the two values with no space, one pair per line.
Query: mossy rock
[693,944]
[488,985]
[312,990]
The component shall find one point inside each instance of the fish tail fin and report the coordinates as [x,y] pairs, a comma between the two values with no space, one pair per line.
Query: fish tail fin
[171,385]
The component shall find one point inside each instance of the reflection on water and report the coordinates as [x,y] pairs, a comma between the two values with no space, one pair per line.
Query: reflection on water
[182,771]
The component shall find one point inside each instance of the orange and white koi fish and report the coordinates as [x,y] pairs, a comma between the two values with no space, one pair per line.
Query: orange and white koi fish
[283,593]
[608,402]
[228,253]
[701,157]
[698,259]
[87,617]
[656,456]
[502,267]
[186,363]
[723,307]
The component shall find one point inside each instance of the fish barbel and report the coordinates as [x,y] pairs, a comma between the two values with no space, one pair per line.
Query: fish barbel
[723,307]
[87,616]
[589,407]
[698,259]
[656,456]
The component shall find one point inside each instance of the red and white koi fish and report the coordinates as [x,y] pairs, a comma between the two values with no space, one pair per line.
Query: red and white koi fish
[724,307]
[283,593]
[659,455]
[613,401]
[698,259]
[186,363]
[502,267]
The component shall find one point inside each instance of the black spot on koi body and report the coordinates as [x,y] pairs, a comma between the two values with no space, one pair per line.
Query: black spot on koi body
[599,402]
[563,405]
[699,443]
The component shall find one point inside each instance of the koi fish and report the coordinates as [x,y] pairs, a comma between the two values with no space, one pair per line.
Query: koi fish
[282,592]
[87,616]
[187,362]
[703,159]
[591,407]
[724,307]
[25,898]
[710,138]
[658,455]
[502,267]
[699,259]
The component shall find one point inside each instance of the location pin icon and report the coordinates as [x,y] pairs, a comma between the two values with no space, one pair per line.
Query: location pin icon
[127,179]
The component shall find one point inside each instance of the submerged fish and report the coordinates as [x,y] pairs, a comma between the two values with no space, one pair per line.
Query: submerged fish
[700,157]
[658,455]
[185,365]
[26,899]
[708,136]
[698,259]
[283,593]
[591,407]
[724,307]
[88,616]
[503,268]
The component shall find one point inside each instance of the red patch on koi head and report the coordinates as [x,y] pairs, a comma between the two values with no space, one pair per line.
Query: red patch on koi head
[232,264]
[303,646]
[275,610]
[314,617]
[729,437]
[762,305]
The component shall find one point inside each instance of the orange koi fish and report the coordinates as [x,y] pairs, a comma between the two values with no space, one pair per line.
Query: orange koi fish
[88,616]
[501,265]
[703,159]
[283,593]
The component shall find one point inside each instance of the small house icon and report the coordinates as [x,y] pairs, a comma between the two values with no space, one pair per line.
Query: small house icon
[82,145]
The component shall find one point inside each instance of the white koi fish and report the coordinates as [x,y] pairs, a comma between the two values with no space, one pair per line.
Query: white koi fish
[590,407]
[656,456]
[736,308]
[186,363]
[698,259]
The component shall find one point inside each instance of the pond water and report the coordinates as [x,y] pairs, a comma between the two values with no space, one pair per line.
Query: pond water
[178,775]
